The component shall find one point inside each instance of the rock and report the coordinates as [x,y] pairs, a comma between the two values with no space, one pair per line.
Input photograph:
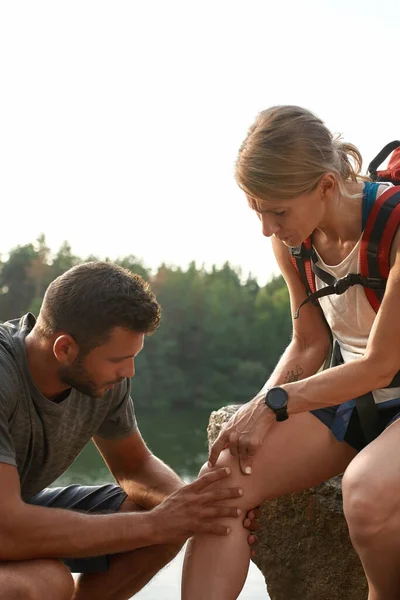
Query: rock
[304,549]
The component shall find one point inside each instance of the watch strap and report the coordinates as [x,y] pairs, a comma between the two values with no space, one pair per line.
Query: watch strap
[281,414]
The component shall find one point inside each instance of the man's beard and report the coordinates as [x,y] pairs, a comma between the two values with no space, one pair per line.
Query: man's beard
[77,377]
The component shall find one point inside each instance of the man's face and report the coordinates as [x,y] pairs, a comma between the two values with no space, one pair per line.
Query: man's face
[106,365]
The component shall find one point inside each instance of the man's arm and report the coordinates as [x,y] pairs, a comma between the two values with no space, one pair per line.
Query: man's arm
[29,532]
[143,476]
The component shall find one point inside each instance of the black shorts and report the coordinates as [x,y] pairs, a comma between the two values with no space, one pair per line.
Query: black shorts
[84,498]
[344,422]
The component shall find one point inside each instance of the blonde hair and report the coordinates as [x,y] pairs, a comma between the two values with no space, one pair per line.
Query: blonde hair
[286,152]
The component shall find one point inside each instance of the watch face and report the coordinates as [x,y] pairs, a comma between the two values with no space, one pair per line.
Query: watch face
[277,398]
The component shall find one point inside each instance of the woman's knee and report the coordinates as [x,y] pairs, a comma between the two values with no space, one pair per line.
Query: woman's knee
[236,479]
[226,459]
[368,500]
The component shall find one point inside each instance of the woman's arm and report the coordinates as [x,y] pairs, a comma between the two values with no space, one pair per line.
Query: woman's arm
[311,340]
[372,371]
[304,356]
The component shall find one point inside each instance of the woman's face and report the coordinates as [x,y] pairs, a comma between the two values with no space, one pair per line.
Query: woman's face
[291,221]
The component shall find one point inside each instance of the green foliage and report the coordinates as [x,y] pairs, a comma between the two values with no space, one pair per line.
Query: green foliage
[219,339]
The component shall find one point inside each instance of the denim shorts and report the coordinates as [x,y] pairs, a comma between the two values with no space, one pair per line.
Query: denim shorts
[84,498]
[344,422]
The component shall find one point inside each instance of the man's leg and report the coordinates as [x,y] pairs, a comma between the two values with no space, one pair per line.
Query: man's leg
[128,573]
[296,454]
[35,580]
[371,500]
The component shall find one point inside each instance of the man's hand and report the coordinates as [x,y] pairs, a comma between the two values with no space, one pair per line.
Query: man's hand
[252,524]
[195,509]
[244,433]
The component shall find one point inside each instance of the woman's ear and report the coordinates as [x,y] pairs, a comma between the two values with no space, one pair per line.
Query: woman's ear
[327,185]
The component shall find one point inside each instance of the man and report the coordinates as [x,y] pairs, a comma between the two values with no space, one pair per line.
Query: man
[65,379]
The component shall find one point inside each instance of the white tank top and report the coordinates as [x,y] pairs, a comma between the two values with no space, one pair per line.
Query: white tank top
[350,315]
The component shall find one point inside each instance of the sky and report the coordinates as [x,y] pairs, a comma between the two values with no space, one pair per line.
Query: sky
[120,121]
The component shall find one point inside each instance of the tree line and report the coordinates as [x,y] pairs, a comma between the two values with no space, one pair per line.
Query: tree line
[219,339]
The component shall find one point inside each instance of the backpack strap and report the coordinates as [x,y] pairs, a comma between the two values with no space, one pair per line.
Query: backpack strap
[376,242]
[301,257]
[368,200]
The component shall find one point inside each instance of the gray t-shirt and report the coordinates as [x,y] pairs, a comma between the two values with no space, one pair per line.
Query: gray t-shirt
[40,437]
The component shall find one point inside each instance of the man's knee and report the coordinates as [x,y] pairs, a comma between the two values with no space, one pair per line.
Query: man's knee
[56,576]
[36,580]
[369,501]
[14,589]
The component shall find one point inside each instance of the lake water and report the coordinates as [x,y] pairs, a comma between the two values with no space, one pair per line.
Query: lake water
[179,439]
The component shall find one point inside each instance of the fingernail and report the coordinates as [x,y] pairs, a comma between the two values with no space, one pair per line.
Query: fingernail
[228,531]
[248,470]
[228,471]
[240,492]
[239,512]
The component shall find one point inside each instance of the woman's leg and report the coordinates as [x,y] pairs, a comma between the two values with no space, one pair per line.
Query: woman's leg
[371,501]
[296,455]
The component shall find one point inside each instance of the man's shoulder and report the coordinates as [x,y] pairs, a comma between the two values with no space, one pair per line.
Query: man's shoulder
[10,376]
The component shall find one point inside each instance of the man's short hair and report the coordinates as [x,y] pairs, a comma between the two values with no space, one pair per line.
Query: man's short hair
[92,298]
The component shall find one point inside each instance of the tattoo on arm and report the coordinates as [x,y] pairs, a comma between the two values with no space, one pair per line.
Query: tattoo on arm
[294,375]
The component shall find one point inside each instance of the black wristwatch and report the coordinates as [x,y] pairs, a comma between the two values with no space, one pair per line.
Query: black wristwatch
[277,400]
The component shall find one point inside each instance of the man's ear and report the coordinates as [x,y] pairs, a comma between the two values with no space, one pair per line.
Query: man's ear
[65,349]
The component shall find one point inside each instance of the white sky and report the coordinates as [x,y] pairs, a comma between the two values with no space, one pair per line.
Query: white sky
[120,121]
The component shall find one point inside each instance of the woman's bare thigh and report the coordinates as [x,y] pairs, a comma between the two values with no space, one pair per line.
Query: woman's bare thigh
[296,454]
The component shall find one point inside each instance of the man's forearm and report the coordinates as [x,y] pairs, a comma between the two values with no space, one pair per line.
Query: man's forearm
[30,532]
[295,364]
[150,485]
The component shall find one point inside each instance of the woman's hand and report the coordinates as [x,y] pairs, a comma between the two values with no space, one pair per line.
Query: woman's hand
[244,433]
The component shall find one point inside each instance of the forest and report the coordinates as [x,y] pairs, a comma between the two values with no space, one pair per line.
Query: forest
[220,334]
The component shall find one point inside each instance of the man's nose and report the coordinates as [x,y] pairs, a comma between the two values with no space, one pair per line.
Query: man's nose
[128,370]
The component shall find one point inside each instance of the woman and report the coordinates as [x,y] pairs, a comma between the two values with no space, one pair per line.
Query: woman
[302,182]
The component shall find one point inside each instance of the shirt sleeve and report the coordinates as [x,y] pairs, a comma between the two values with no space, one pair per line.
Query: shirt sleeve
[7,450]
[120,420]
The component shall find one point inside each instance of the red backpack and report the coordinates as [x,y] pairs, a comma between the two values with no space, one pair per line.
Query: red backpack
[392,172]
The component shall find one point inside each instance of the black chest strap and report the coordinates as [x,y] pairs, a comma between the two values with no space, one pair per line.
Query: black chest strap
[340,286]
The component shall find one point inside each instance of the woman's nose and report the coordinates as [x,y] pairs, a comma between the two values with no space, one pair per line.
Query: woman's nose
[269,225]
